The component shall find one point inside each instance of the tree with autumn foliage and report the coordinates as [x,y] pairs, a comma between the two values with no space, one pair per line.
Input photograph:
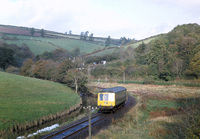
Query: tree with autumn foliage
[26,69]
[75,79]
[63,68]
[44,69]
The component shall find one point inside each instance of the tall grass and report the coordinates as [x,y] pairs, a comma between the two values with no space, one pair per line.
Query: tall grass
[28,101]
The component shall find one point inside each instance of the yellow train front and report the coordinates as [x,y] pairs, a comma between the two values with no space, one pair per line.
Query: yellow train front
[111,99]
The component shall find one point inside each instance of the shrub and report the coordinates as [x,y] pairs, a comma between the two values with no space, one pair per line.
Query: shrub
[193,131]
[148,80]
[12,69]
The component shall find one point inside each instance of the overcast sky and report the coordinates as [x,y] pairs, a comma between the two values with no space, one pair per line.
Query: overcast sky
[137,19]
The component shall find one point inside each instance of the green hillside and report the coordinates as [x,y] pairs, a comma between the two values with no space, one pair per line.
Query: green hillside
[26,101]
[39,45]
[50,41]
[166,57]
[137,43]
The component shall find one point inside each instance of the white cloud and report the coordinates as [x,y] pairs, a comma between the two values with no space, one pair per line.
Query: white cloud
[131,18]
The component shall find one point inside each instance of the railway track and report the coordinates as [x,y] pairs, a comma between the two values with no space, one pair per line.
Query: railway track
[76,127]
[79,129]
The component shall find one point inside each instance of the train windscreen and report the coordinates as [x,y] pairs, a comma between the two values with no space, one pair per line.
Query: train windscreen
[103,97]
[106,97]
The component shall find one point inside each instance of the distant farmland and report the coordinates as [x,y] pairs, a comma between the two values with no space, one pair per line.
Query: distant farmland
[39,45]
[51,41]
[16,30]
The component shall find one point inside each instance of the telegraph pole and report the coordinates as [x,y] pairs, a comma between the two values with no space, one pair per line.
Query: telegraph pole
[90,128]
[90,115]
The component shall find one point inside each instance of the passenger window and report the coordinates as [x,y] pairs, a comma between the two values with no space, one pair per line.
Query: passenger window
[101,97]
[106,97]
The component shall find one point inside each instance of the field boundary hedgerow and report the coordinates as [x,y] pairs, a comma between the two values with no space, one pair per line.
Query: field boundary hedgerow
[189,84]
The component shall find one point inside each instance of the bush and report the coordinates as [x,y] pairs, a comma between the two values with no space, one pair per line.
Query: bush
[190,75]
[13,70]
[193,132]
[148,80]
[165,75]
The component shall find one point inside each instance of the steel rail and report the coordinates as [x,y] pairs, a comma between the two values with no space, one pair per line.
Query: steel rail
[73,125]
[85,126]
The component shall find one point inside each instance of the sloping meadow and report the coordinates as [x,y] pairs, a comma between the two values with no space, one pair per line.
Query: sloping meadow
[26,102]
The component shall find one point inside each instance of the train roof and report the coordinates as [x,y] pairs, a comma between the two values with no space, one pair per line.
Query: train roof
[114,89]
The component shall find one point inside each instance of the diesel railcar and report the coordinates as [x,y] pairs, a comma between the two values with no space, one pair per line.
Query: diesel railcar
[110,99]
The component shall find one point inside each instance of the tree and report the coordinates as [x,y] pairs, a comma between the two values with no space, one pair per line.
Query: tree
[63,69]
[82,35]
[108,41]
[60,54]
[75,79]
[159,60]
[86,35]
[195,64]
[141,48]
[22,53]
[32,31]
[124,41]
[177,66]
[45,69]
[42,33]
[6,57]
[185,48]
[26,69]
[91,38]
[40,70]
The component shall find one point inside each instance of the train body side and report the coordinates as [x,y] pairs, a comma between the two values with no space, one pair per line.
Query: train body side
[111,98]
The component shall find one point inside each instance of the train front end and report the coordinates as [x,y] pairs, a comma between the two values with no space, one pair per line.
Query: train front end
[106,101]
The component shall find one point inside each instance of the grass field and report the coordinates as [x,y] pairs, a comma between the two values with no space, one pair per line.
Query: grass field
[161,112]
[39,45]
[25,101]
[136,44]
[103,52]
